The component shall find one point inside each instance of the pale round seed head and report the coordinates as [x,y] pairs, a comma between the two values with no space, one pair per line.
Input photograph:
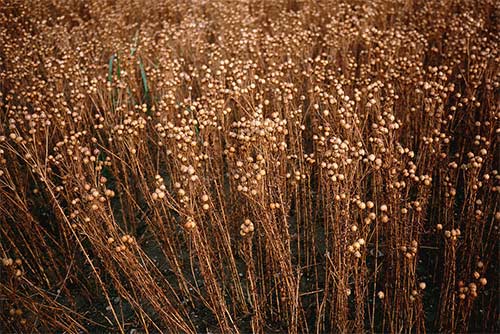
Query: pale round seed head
[190,224]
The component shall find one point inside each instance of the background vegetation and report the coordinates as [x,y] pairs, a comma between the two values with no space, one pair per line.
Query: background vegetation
[249,166]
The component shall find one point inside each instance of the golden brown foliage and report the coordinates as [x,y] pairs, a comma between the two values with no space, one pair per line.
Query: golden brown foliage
[249,166]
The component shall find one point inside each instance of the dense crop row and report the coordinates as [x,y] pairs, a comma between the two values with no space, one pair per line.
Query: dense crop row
[249,166]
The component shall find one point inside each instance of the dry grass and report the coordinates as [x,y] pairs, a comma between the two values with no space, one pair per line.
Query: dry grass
[249,166]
